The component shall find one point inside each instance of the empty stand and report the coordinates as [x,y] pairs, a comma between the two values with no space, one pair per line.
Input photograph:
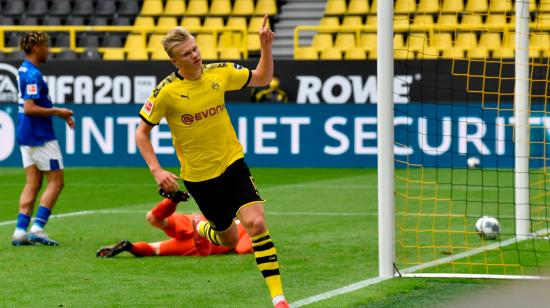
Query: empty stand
[60,8]
[83,8]
[220,8]
[174,8]
[358,7]
[14,8]
[37,8]
[197,8]
[105,8]
[152,8]
[265,7]
[243,7]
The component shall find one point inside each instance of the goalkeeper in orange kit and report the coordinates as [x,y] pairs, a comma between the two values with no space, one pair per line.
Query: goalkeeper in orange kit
[181,228]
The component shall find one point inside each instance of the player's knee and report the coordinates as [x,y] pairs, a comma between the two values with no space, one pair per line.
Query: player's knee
[256,225]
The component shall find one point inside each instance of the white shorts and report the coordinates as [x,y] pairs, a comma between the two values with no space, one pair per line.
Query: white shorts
[46,157]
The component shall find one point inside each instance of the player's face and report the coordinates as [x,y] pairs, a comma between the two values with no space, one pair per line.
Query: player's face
[41,52]
[187,56]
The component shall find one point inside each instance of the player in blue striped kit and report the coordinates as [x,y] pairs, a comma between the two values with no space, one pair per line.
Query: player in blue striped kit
[39,147]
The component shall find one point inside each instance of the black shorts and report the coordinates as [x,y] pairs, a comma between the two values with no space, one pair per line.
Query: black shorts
[220,198]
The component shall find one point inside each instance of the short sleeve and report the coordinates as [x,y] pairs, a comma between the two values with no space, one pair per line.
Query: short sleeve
[153,110]
[30,85]
[238,77]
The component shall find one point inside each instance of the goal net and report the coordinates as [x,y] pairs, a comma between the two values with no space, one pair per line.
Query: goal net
[472,140]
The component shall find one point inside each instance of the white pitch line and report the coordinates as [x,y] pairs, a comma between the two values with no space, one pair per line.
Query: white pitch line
[412,269]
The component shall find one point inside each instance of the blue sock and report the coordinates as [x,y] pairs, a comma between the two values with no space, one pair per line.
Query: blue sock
[42,216]
[23,221]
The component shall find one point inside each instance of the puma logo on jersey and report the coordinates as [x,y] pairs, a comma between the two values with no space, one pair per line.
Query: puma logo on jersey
[185,96]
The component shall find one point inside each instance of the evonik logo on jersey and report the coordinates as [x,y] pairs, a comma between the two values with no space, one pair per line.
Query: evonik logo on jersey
[188,119]
[8,83]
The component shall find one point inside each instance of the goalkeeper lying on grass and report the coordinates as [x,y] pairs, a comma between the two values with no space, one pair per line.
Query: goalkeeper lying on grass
[181,228]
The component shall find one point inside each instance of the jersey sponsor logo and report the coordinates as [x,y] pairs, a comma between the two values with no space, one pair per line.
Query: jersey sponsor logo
[8,83]
[32,89]
[188,119]
[148,107]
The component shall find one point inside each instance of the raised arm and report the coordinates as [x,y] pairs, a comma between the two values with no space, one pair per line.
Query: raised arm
[165,179]
[263,73]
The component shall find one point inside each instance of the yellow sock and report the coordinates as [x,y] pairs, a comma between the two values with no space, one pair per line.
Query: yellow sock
[205,230]
[266,259]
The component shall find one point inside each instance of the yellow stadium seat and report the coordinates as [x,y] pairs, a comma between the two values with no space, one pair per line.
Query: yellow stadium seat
[322,41]
[401,20]
[206,41]
[372,55]
[539,41]
[405,6]
[466,40]
[135,41]
[306,53]
[544,6]
[230,39]
[265,7]
[213,22]
[447,20]
[500,6]
[255,24]
[253,42]
[220,8]
[453,53]
[542,20]
[155,42]
[151,8]
[477,6]
[352,21]
[355,54]
[144,21]
[166,22]
[490,40]
[329,21]
[191,22]
[374,8]
[174,8]
[344,41]
[335,7]
[398,41]
[113,54]
[442,40]
[197,8]
[239,22]
[417,41]
[423,20]
[473,20]
[509,40]
[159,54]
[137,54]
[428,53]
[368,41]
[403,54]
[452,6]
[230,54]
[504,53]
[534,53]
[331,54]
[209,54]
[496,19]
[372,20]
[243,7]
[428,6]
[358,7]
[478,53]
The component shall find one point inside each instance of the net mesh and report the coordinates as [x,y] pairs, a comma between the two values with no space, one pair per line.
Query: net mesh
[461,109]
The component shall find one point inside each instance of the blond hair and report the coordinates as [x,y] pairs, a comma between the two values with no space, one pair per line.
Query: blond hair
[173,38]
[31,39]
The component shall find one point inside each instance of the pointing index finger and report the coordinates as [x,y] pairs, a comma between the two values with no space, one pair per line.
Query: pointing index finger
[265,21]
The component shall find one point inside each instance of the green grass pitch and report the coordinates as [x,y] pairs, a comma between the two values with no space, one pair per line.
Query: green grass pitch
[323,222]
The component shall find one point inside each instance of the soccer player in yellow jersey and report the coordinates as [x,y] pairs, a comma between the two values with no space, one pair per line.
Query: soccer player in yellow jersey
[211,157]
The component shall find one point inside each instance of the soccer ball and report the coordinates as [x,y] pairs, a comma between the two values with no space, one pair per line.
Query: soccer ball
[473,162]
[487,227]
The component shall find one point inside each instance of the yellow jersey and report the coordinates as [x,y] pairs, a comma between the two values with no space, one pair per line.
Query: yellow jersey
[202,133]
